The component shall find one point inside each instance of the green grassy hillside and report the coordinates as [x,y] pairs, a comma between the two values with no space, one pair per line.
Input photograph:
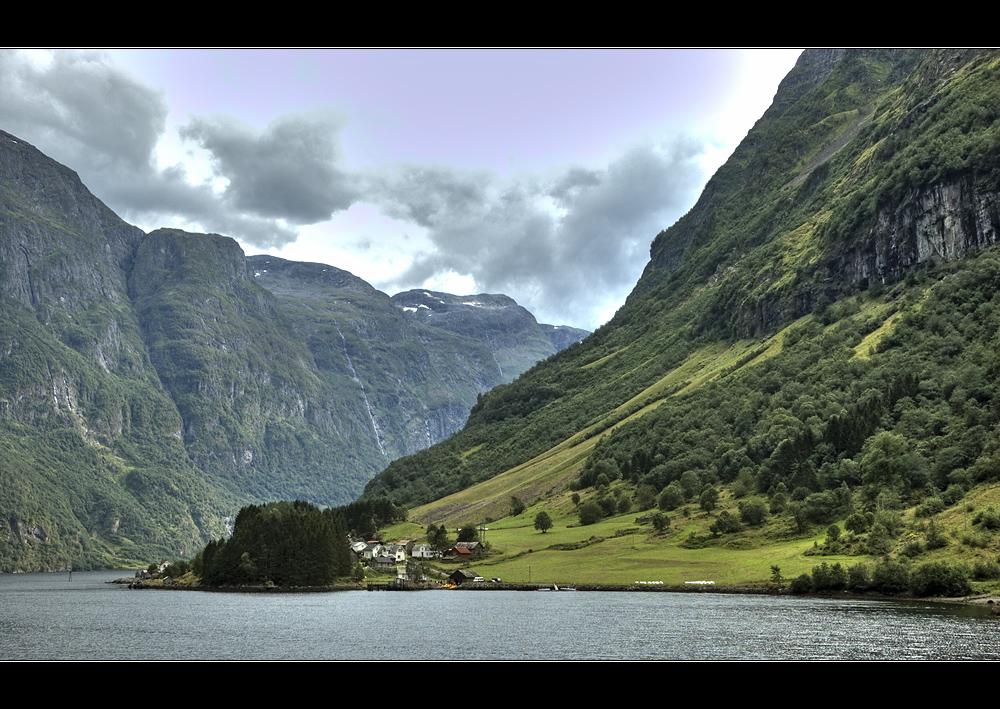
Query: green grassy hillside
[817,334]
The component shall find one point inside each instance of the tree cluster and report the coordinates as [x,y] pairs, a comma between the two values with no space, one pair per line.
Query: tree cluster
[438,537]
[366,516]
[281,543]
[888,577]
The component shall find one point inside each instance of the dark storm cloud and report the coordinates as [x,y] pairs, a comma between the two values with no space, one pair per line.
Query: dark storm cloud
[429,196]
[570,184]
[82,107]
[557,240]
[82,111]
[292,171]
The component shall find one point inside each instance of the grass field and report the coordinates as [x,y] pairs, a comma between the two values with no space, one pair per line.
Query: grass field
[626,549]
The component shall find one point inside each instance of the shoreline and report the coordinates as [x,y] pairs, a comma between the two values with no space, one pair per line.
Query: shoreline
[978,600]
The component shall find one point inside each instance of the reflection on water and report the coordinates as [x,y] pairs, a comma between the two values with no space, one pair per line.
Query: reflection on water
[48,617]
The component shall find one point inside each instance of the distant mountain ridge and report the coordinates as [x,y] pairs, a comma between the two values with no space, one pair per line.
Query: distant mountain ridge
[517,340]
[150,384]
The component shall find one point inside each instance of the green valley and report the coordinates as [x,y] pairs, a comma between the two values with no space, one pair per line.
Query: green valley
[801,388]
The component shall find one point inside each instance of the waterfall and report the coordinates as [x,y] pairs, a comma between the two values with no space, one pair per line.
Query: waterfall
[364,394]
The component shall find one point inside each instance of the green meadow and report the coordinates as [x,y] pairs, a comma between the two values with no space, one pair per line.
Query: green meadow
[626,549]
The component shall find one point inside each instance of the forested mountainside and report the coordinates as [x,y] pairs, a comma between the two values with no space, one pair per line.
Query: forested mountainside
[820,330]
[152,384]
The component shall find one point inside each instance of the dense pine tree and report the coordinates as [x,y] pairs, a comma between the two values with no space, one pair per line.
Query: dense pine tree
[282,543]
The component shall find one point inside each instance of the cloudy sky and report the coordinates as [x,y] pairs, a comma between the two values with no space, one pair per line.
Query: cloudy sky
[543,174]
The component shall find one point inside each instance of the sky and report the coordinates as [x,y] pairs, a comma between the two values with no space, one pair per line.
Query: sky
[543,174]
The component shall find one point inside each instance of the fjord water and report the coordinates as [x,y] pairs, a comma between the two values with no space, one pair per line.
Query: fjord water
[50,617]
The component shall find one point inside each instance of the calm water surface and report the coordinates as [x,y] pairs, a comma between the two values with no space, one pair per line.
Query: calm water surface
[47,617]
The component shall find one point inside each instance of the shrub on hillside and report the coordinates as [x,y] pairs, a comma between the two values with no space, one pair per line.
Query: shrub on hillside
[801,584]
[859,579]
[826,577]
[590,512]
[939,578]
[725,524]
[753,512]
[890,577]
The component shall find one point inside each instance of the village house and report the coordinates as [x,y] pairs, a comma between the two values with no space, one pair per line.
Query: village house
[425,551]
[456,552]
[462,576]
[475,548]
[396,551]
[383,562]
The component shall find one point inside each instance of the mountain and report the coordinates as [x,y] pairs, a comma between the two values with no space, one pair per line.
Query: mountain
[817,332]
[516,339]
[93,455]
[411,379]
[152,384]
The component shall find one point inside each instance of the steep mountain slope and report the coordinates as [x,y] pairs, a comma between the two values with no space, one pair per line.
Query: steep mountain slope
[256,414]
[820,326]
[93,462]
[152,384]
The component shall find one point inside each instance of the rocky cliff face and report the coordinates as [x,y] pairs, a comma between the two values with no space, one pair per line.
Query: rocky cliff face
[63,254]
[865,166]
[227,356]
[90,437]
[942,222]
[414,376]
[562,336]
[64,260]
